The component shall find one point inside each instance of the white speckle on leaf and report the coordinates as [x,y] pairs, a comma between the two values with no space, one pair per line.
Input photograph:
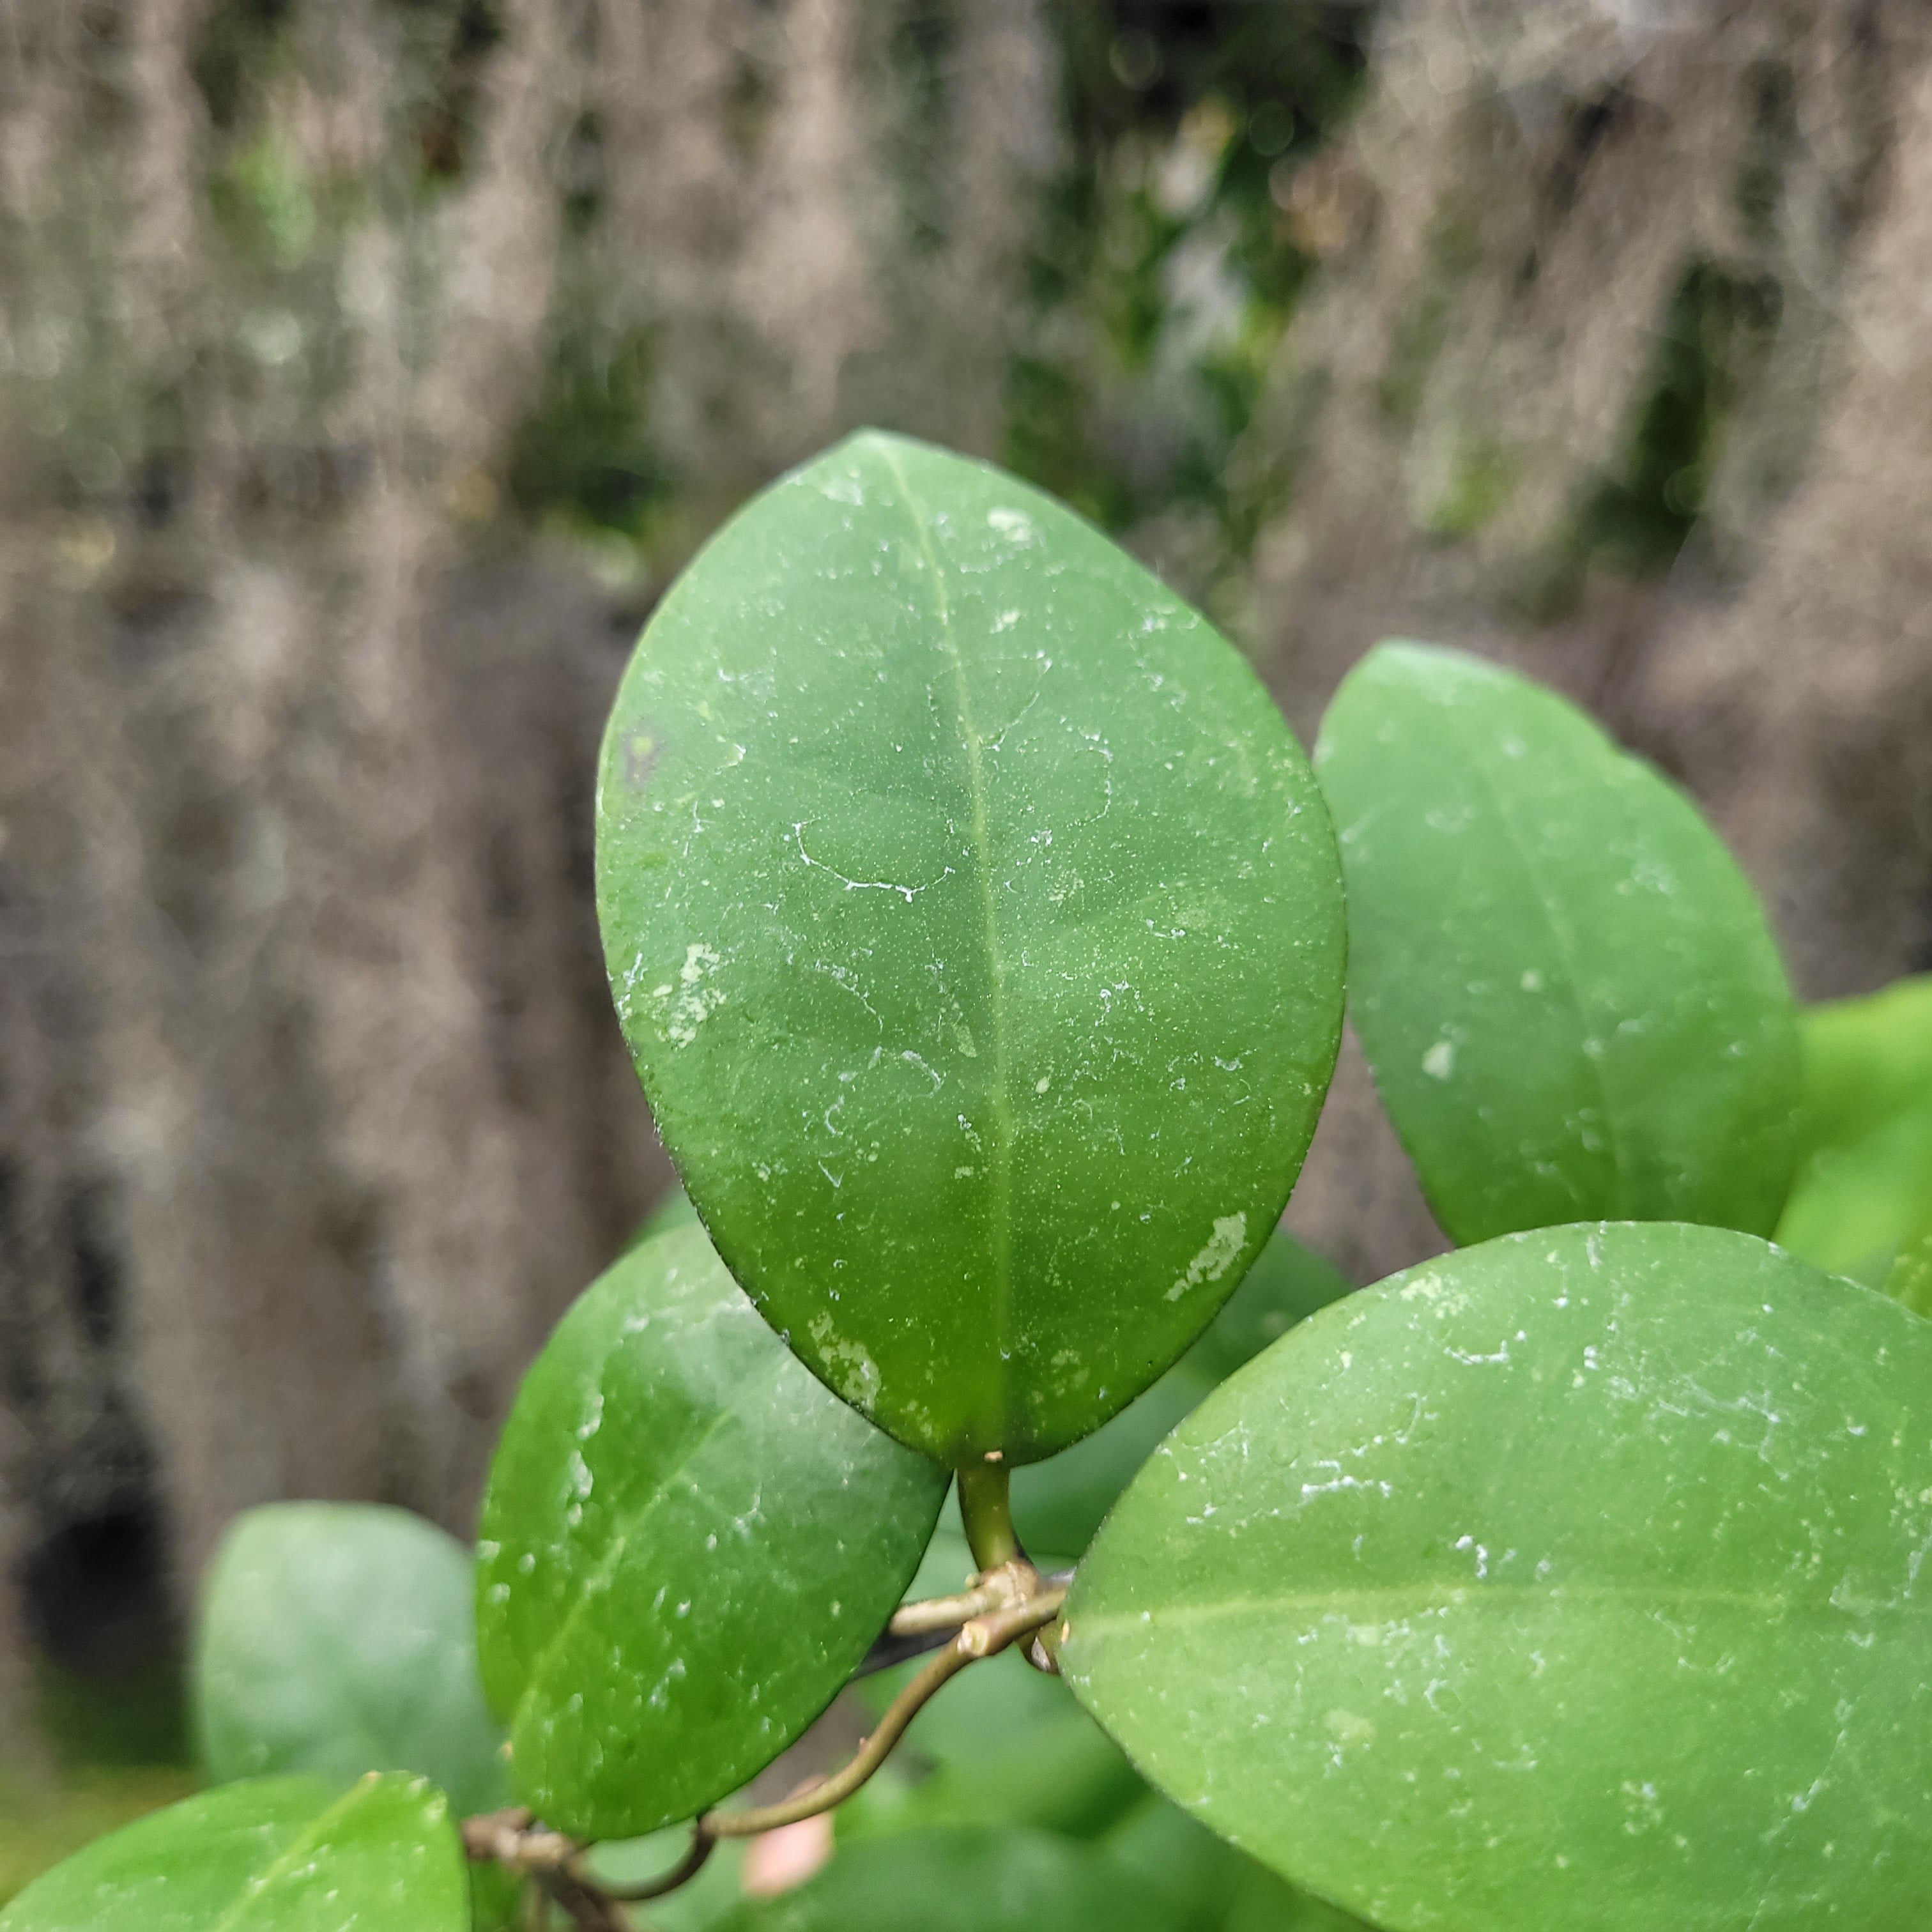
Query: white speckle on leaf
[695,1002]
[1439,1062]
[1015,525]
[1231,1232]
[852,1372]
[908,893]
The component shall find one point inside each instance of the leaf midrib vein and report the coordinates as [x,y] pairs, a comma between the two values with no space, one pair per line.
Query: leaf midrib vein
[1000,1099]
[298,1848]
[1462,1596]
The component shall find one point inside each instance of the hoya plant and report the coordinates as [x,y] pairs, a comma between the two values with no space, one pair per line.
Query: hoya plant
[982,936]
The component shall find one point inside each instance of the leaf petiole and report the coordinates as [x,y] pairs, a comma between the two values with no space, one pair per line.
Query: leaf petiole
[986,1514]
[980,1637]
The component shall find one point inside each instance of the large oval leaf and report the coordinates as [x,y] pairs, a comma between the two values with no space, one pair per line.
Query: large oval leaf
[1864,1175]
[338,1638]
[1573,1580]
[277,1854]
[965,1879]
[688,1544]
[1564,986]
[1058,1505]
[976,925]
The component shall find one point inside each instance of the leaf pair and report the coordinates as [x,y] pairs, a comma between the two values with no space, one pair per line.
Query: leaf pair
[974,923]
[688,1543]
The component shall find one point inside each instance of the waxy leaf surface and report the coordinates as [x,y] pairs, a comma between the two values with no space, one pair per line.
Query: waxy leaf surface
[1222,1890]
[340,1638]
[1564,985]
[976,925]
[688,1544]
[1573,1580]
[1864,1171]
[273,1854]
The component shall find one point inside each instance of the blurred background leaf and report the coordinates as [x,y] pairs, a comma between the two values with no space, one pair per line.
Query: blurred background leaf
[1864,1190]
[340,1638]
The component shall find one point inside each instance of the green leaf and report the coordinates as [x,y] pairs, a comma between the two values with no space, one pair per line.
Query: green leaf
[688,1544]
[277,1854]
[1176,1854]
[338,1638]
[1218,1889]
[1865,1173]
[964,1879]
[1571,1581]
[976,926]
[1564,985]
[1058,1505]
[496,1899]
[1266,1903]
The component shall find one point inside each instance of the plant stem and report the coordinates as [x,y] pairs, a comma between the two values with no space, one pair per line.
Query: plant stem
[981,1637]
[1000,1589]
[986,1509]
[587,1908]
[702,1844]
[554,1862]
[931,1624]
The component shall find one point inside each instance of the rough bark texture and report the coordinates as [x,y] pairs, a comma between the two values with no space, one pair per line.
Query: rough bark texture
[312,1115]
[1619,370]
